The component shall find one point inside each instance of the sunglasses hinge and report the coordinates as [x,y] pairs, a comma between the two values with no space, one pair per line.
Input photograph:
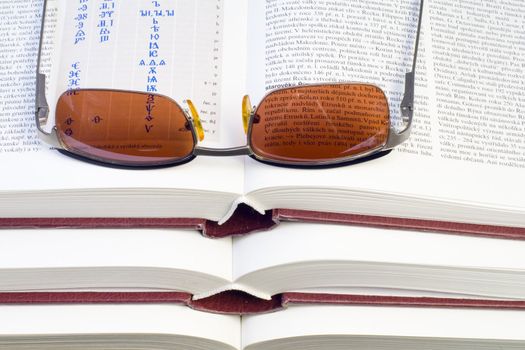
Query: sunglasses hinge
[42,107]
[42,114]
[407,108]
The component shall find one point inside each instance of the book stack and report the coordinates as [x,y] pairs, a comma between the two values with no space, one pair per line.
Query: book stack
[295,286]
[421,248]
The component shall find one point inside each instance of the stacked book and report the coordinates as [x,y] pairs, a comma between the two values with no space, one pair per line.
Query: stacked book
[421,248]
[298,285]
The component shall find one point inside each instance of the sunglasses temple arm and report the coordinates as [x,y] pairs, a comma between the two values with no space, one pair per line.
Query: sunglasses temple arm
[407,105]
[224,152]
[41,105]
[42,108]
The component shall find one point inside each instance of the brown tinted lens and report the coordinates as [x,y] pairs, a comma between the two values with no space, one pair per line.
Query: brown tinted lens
[126,128]
[320,123]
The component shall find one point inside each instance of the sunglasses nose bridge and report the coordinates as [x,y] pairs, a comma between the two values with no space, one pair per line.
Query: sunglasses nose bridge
[223,152]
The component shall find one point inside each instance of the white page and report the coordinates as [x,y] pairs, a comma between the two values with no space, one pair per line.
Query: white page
[18,47]
[79,320]
[234,71]
[384,321]
[197,53]
[30,166]
[153,248]
[293,243]
[423,167]
[170,47]
[301,242]
[299,43]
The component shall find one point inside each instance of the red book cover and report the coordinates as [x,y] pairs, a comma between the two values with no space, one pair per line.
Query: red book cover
[246,220]
[240,303]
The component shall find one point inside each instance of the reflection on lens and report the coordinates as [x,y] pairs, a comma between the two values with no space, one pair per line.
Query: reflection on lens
[125,128]
[320,123]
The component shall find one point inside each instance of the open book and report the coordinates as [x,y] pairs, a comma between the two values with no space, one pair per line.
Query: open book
[293,258]
[299,327]
[464,163]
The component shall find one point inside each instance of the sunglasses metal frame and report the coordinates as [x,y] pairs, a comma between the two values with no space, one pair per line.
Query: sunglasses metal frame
[395,137]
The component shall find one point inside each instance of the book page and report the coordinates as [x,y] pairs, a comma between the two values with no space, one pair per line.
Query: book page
[107,42]
[305,42]
[301,242]
[167,47]
[398,323]
[311,253]
[19,26]
[87,326]
[468,123]
[107,259]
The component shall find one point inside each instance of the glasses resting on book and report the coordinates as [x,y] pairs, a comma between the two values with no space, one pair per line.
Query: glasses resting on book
[304,126]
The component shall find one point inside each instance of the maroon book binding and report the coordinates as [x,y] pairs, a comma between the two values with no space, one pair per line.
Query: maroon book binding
[399,223]
[246,220]
[239,303]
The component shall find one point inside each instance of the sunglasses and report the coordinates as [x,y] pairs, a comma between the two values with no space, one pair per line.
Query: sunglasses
[305,126]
